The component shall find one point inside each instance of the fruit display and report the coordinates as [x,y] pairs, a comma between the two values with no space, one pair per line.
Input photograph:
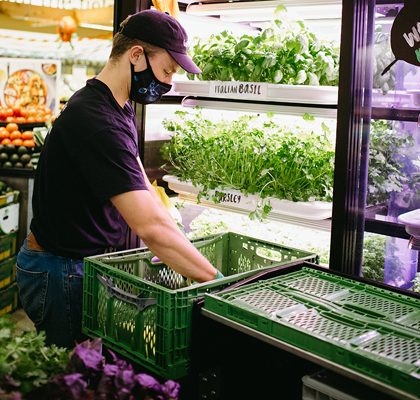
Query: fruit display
[5,188]
[26,115]
[16,147]
[12,135]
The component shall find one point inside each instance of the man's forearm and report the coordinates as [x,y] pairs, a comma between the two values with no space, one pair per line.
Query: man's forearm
[173,249]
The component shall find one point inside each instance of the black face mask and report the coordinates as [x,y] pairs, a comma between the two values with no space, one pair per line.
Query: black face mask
[145,87]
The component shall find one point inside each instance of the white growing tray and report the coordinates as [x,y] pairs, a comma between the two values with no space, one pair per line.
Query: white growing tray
[236,200]
[304,94]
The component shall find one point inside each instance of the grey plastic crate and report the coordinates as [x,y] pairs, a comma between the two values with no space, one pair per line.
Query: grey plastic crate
[326,385]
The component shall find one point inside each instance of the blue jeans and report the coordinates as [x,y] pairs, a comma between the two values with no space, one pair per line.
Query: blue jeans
[51,292]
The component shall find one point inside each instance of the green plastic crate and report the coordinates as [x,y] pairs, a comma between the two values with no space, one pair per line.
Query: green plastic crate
[370,302]
[145,312]
[7,272]
[8,299]
[386,351]
[7,246]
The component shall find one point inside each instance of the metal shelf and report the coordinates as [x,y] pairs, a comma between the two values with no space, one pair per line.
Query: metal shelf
[354,375]
[386,228]
[396,114]
[18,172]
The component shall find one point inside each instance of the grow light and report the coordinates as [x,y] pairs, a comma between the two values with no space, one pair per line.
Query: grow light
[259,107]
[263,10]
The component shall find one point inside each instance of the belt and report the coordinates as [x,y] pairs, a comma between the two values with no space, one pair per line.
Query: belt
[33,244]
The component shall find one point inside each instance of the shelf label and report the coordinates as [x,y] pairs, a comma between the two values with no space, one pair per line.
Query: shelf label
[227,197]
[238,89]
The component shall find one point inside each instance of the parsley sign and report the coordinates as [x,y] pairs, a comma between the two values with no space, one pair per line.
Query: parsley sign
[405,35]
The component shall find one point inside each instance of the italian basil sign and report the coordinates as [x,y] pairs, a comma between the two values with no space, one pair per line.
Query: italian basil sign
[405,35]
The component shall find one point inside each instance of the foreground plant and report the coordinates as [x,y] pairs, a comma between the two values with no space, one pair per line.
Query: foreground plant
[30,370]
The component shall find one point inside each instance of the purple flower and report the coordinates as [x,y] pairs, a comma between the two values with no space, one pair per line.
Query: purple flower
[148,382]
[110,369]
[125,378]
[86,359]
[171,389]
[70,386]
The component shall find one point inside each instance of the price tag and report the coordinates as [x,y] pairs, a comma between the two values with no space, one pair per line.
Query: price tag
[243,90]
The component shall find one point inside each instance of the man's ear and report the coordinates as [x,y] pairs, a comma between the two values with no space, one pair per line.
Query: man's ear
[135,53]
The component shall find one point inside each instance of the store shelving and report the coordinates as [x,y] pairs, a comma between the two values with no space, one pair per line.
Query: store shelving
[261,97]
[261,91]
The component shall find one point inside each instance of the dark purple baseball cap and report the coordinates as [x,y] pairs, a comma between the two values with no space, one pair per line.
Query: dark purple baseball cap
[161,30]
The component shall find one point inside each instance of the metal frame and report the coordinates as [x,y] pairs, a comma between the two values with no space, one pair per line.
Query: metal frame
[122,9]
[353,119]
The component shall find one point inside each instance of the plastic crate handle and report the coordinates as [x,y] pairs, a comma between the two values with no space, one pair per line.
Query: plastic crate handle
[342,319]
[140,302]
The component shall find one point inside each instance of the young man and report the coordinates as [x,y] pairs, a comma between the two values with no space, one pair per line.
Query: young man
[90,184]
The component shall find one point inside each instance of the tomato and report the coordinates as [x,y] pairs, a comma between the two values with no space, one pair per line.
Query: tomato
[12,127]
[39,119]
[15,135]
[30,119]
[2,114]
[9,112]
[29,143]
[4,134]
[6,141]
[23,113]
[27,135]
[17,142]
[20,120]
[16,111]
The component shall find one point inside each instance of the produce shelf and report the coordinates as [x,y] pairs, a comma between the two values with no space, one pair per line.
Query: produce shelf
[314,214]
[23,172]
[396,114]
[26,125]
[359,326]
[258,91]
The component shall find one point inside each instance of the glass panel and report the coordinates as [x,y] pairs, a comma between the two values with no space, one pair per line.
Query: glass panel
[394,161]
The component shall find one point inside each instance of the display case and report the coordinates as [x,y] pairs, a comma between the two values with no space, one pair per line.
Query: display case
[375,116]
[302,105]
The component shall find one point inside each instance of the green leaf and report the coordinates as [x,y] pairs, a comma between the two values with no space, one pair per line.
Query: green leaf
[308,117]
[301,77]
[279,9]
[278,76]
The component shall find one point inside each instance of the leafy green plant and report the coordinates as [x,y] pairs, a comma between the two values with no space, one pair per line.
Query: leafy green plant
[25,361]
[382,57]
[252,155]
[286,52]
[416,283]
[374,257]
[385,174]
